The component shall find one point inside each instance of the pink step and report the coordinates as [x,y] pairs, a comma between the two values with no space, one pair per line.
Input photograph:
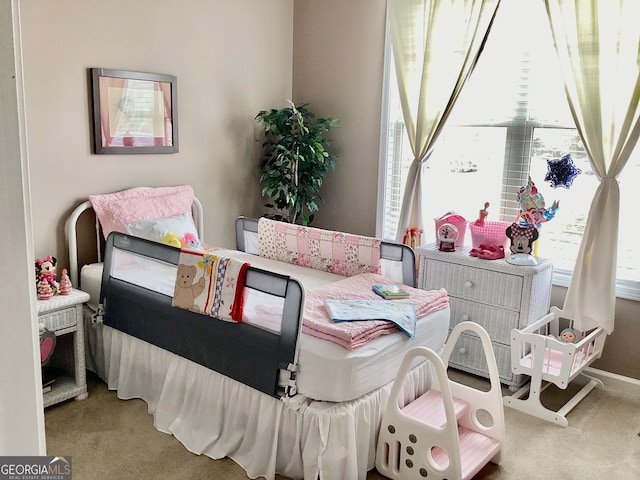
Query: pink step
[476,450]
[429,408]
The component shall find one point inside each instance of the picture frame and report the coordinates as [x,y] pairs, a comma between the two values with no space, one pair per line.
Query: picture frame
[134,112]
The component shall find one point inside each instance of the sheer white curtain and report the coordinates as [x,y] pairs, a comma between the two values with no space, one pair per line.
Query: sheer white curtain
[598,46]
[436,44]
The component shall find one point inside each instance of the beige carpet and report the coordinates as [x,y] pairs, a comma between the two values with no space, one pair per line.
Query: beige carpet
[112,438]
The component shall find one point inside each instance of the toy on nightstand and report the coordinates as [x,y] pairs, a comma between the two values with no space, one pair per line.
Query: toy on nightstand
[45,292]
[447,236]
[65,283]
[46,269]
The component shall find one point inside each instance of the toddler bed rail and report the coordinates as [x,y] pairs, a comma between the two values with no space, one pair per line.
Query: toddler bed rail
[537,351]
[264,360]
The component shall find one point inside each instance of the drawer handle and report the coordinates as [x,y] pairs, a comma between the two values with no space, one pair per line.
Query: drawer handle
[465,318]
[462,350]
[468,284]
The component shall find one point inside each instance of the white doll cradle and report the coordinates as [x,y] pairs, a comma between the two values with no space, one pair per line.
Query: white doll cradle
[535,351]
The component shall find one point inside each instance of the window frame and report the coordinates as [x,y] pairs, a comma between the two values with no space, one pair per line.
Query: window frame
[627,289]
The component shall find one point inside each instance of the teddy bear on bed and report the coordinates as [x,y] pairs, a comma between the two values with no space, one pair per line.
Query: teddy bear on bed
[187,290]
[46,269]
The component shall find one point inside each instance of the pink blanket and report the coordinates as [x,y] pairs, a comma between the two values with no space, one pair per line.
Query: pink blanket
[352,335]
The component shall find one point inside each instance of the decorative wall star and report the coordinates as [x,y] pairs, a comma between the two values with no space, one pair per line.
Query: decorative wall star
[561,171]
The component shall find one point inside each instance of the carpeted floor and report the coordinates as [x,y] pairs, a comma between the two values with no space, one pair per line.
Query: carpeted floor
[112,438]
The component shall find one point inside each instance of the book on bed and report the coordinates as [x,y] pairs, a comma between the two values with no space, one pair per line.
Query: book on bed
[390,292]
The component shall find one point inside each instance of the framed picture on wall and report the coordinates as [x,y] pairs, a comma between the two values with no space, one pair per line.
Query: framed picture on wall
[134,112]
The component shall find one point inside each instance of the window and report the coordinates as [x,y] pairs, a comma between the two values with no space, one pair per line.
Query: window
[510,118]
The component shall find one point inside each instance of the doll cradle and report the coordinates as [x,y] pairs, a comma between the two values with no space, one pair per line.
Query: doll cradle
[536,352]
[444,433]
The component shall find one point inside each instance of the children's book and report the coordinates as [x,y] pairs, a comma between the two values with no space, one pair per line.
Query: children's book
[390,292]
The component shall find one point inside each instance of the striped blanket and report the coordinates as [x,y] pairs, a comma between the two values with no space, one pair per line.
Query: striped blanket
[210,284]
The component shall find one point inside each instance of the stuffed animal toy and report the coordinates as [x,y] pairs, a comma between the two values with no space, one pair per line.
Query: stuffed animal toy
[189,240]
[187,289]
[46,269]
[171,239]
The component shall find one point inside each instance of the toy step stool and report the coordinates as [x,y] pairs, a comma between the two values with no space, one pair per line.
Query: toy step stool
[439,435]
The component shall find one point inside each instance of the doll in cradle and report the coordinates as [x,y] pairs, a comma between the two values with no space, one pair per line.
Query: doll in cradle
[568,335]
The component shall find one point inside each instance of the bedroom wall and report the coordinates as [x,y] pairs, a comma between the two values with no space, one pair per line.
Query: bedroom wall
[230,63]
[338,67]
[21,413]
[338,59]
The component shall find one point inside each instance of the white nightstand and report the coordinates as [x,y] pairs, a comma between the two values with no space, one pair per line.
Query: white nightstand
[62,314]
[493,293]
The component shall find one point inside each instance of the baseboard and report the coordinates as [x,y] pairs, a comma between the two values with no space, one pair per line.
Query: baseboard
[616,382]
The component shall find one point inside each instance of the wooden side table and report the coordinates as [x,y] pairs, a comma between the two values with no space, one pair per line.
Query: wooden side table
[62,314]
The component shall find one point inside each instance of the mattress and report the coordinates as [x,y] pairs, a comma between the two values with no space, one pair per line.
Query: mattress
[326,371]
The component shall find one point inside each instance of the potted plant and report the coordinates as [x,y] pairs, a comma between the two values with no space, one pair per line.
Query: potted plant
[295,161]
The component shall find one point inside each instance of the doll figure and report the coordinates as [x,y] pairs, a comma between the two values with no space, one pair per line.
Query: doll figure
[568,336]
[482,214]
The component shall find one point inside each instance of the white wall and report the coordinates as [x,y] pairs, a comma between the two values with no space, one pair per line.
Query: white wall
[21,412]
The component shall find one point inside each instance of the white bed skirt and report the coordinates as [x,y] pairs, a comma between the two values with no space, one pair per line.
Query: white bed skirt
[216,416]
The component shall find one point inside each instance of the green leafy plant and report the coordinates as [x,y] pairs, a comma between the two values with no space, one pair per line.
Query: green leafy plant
[295,161]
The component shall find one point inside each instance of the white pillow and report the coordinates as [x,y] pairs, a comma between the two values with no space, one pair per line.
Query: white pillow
[155,229]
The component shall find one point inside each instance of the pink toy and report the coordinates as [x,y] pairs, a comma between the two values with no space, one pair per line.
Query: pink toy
[189,240]
[482,214]
[46,269]
[45,291]
[65,283]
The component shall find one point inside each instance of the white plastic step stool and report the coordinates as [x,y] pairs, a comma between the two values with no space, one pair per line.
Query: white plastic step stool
[439,435]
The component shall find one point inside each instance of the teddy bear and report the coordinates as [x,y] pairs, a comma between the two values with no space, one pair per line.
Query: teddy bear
[187,290]
[46,269]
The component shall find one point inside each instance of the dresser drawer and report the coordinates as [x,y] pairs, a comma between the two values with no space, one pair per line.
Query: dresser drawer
[474,284]
[468,355]
[60,319]
[498,322]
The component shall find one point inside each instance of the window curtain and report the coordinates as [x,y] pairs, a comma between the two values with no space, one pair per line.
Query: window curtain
[436,44]
[597,43]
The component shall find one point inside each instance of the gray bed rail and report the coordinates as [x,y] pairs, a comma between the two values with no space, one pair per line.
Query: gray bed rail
[259,358]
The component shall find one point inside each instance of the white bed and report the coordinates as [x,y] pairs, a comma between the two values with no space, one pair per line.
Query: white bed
[328,430]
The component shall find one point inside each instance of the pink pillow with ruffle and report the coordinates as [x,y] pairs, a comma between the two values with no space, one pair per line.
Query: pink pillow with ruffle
[116,210]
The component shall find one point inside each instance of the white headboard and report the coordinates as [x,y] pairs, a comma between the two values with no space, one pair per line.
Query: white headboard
[70,231]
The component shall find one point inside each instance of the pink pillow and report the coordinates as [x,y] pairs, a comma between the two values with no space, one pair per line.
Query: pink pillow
[116,210]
